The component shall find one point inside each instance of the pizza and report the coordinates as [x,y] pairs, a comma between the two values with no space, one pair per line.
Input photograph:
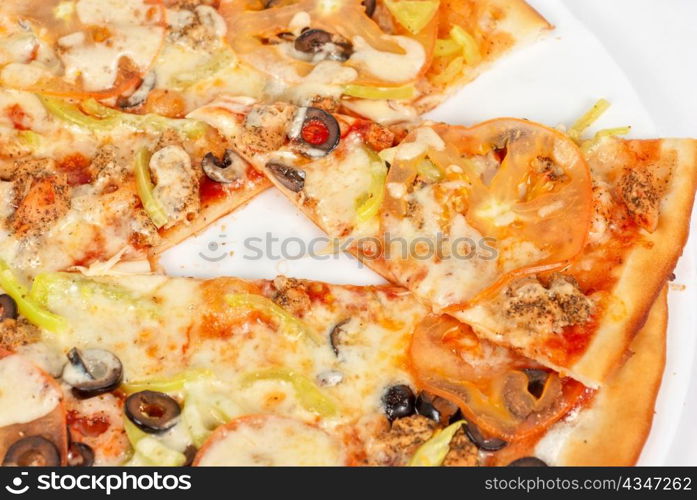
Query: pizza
[509,226]
[151,370]
[519,325]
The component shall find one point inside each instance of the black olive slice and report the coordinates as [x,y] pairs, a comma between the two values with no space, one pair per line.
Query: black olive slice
[527,462]
[369,7]
[536,381]
[152,411]
[80,455]
[8,307]
[319,42]
[291,178]
[483,443]
[316,132]
[92,371]
[398,402]
[334,335]
[226,170]
[139,96]
[32,451]
[189,455]
[424,406]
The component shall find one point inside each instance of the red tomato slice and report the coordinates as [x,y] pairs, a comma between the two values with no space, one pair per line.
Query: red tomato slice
[486,381]
[51,426]
[525,186]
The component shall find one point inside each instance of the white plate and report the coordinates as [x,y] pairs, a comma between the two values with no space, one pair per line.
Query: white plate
[553,82]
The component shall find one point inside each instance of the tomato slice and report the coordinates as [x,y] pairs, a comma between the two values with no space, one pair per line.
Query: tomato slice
[521,187]
[263,38]
[89,48]
[486,381]
[51,426]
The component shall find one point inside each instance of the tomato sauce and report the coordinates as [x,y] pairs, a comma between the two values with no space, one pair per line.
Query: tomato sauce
[88,426]
[210,191]
[18,117]
[77,168]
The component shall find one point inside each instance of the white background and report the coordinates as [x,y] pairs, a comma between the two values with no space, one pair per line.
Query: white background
[639,54]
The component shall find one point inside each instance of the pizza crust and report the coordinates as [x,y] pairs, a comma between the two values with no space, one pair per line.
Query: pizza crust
[646,268]
[210,212]
[503,25]
[625,403]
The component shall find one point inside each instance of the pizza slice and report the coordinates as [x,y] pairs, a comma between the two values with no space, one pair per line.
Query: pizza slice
[82,183]
[150,370]
[385,60]
[510,226]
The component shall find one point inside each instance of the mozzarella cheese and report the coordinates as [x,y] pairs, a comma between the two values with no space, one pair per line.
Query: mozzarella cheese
[25,392]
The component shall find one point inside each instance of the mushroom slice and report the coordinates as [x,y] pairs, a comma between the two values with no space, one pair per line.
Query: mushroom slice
[92,371]
[230,168]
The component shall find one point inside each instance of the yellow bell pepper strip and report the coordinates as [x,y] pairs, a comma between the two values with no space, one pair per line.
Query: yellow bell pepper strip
[202,418]
[29,138]
[99,118]
[414,15]
[308,394]
[70,113]
[172,384]
[224,58]
[428,170]
[145,189]
[289,324]
[376,93]
[470,49]
[588,118]
[33,311]
[63,284]
[368,204]
[149,122]
[432,453]
[459,42]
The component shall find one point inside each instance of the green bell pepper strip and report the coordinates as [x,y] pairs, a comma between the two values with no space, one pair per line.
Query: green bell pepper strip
[104,119]
[289,324]
[433,452]
[368,92]
[149,449]
[368,204]
[172,384]
[308,394]
[32,310]
[145,189]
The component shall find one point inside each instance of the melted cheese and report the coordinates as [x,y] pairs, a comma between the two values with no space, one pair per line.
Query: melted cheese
[131,34]
[390,66]
[25,393]
[337,194]
[273,442]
